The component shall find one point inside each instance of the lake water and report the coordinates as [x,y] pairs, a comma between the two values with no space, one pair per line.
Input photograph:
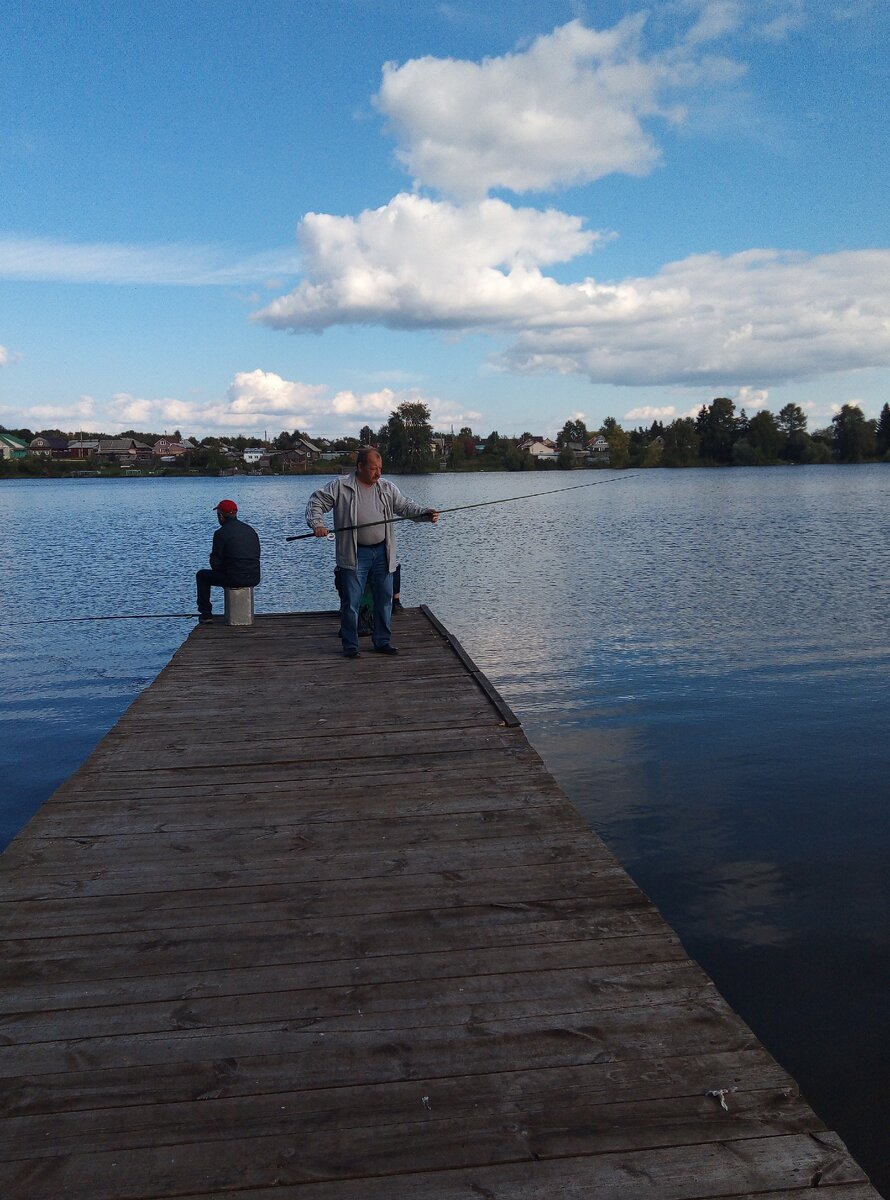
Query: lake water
[701,657]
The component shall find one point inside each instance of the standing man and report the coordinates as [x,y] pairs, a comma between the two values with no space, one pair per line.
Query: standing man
[234,558]
[366,553]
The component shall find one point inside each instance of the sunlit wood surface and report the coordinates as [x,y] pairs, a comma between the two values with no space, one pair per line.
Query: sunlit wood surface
[310,928]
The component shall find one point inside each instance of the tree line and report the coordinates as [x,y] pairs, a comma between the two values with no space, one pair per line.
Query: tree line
[717,435]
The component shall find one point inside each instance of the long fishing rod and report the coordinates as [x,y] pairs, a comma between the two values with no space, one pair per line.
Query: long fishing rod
[299,537]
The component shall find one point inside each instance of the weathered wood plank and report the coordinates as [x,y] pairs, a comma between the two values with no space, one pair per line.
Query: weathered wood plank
[561,1105]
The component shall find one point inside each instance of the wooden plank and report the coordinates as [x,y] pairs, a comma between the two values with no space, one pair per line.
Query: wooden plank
[562,1105]
[356,950]
[325,1154]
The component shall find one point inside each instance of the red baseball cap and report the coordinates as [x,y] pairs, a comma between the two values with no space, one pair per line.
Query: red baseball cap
[229,507]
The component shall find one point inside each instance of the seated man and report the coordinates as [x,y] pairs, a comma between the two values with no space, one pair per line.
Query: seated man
[234,558]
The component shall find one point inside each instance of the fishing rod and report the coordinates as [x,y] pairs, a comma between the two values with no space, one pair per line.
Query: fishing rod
[299,537]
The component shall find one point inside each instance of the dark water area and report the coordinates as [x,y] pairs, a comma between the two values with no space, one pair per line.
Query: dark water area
[701,657]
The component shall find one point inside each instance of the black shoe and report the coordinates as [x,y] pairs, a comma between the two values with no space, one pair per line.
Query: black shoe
[386,650]
[350,651]
[205,618]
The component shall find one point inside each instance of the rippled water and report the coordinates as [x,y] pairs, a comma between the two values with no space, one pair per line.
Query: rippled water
[700,656]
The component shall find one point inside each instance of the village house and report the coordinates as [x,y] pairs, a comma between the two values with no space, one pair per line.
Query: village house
[123,450]
[12,446]
[169,448]
[83,448]
[298,456]
[253,454]
[598,449]
[540,448]
[49,447]
[578,452]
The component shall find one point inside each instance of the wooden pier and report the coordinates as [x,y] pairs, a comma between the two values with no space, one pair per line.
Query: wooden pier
[305,928]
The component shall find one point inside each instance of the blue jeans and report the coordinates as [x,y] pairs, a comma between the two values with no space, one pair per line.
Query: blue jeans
[371,567]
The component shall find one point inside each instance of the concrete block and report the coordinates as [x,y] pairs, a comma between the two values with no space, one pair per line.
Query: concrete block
[239,606]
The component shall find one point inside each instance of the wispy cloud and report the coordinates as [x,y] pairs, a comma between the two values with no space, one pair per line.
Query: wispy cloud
[176,264]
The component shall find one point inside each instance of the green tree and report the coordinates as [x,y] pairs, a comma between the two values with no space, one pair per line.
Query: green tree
[792,423]
[763,437]
[717,430]
[882,432]
[518,460]
[409,437]
[572,431]
[366,435]
[681,443]
[619,442]
[854,437]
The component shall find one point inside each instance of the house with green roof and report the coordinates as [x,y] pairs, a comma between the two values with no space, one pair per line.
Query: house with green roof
[12,446]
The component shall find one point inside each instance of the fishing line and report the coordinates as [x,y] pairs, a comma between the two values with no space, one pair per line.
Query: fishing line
[113,617]
[299,537]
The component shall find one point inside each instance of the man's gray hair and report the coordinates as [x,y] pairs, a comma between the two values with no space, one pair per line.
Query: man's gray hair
[364,454]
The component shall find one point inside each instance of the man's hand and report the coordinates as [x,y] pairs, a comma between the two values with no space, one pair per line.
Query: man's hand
[432,515]
[321,531]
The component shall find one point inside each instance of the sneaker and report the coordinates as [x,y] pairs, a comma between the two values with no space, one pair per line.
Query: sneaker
[205,618]
[386,650]
[350,651]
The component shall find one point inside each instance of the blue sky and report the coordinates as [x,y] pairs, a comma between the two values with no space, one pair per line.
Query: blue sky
[223,217]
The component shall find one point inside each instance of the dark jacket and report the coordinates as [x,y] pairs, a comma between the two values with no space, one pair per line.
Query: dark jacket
[236,551]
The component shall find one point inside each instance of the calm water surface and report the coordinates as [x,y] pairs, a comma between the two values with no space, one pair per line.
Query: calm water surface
[700,656]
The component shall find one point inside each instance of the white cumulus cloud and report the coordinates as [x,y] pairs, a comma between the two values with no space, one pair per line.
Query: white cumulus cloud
[647,412]
[749,397]
[255,402]
[568,109]
[763,315]
[419,263]
[711,320]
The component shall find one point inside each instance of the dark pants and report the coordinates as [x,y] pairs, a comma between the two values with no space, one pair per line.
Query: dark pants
[205,580]
[371,567]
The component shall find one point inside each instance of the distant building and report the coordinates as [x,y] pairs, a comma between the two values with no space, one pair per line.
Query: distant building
[312,452]
[124,451]
[540,448]
[49,447]
[12,446]
[578,452]
[168,448]
[598,449]
[253,454]
[83,448]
